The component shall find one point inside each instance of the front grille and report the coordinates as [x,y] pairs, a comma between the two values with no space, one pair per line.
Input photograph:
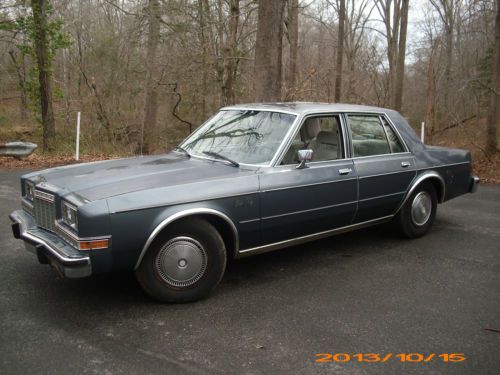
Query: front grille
[44,210]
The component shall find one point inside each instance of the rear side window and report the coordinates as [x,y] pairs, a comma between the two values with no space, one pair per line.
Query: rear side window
[394,141]
[368,136]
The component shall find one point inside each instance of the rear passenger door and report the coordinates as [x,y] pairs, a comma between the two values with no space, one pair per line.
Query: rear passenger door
[383,164]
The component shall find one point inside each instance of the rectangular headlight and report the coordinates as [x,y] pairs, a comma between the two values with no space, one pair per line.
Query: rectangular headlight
[29,190]
[68,213]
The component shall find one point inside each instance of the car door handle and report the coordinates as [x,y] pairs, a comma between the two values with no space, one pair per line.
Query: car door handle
[345,171]
[405,164]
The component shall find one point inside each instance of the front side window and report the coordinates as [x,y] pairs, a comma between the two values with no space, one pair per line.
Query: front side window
[322,135]
[245,136]
[368,136]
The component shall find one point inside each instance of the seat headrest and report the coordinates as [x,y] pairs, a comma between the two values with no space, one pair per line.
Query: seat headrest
[313,127]
[329,138]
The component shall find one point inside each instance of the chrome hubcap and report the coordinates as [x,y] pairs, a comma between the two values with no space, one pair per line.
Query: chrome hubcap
[421,208]
[181,262]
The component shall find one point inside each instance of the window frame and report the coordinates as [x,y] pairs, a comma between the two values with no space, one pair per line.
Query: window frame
[303,119]
[381,116]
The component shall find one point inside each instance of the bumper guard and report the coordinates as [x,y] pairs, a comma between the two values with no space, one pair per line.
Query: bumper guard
[49,247]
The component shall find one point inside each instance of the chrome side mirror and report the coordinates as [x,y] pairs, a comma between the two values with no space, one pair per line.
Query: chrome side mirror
[304,156]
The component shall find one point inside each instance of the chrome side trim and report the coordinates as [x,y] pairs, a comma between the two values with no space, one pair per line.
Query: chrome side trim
[443,165]
[309,237]
[382,196]
[76,238]
[309,210]
[417,181]
[185,213]
[388,173]
[380,155]
[249,221]
[305,185]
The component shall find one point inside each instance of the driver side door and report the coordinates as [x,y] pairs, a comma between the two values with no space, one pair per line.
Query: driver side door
[322,196]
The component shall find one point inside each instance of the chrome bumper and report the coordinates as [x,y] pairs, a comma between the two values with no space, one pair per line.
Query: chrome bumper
[474,183]
[49,248]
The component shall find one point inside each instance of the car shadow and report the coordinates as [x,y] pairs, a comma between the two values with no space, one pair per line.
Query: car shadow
[120,290]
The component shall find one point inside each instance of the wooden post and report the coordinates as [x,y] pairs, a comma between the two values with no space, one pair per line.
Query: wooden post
[77,155]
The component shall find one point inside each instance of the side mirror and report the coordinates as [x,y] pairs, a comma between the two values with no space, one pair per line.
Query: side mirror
[304,156]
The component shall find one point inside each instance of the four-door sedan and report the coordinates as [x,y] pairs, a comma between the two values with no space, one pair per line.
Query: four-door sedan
[253,178]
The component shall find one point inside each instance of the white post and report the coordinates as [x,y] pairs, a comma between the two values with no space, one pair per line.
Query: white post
[77,156]
[422,132]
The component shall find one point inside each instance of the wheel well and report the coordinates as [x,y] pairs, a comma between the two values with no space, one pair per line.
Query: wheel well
[436,183]
[221,225]
[225,231]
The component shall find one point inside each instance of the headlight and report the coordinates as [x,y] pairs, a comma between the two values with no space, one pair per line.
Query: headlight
[29,190]
[69,215]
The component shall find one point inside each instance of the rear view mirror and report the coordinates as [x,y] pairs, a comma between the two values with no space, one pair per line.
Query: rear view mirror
[304,156]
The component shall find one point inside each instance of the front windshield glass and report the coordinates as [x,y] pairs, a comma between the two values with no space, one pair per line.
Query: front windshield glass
[245,136]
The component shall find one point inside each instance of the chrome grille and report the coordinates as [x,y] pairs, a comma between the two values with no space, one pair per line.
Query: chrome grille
[44,210]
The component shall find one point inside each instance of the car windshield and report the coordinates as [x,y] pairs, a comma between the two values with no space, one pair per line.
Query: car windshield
[242,136]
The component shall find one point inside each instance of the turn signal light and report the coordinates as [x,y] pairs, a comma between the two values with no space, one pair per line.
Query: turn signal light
[93,245]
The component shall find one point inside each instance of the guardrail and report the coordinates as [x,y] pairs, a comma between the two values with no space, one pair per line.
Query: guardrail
[18,150]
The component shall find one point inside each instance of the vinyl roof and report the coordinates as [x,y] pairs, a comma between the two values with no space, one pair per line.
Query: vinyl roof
[307,107]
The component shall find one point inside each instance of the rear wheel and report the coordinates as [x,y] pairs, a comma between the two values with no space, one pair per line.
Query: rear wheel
[417,215]
[185,263]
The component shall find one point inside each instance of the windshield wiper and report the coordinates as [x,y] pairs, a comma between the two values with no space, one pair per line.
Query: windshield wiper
[179,148]
[222,157]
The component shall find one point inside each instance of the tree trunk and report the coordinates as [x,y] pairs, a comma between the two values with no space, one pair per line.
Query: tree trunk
[340,53]
[492,120]
[268,50]
[151,86]
[293,37]
[203,42]
[400,64]
[430,114]
[21,81]
[44,77]
[390,13]
[230,54]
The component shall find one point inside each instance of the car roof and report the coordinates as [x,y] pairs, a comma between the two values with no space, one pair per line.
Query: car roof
[307,107]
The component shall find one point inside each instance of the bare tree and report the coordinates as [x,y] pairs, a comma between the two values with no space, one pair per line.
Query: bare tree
[39,8]
[292,26]
[20,65]
[151,85]
[268,50]
[492,120]
[401,55]
[430,99]
[394,14]
[340,52]
[230,54]
[447,10]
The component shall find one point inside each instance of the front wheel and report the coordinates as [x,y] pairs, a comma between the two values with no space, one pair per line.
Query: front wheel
[417,214]
[185,263]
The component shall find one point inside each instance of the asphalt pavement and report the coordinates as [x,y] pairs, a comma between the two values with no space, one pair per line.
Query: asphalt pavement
[363,292]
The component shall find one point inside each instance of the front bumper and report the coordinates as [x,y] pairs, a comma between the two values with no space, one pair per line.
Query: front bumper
[49,248]
[474,183]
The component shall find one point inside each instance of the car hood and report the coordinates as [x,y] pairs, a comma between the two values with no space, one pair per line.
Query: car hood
[105,179]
